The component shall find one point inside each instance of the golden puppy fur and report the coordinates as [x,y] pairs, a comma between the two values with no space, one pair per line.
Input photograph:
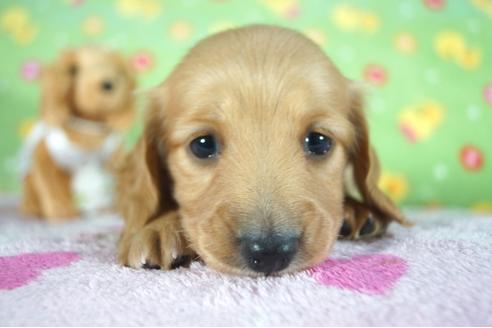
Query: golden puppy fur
[259,91]
[86,98]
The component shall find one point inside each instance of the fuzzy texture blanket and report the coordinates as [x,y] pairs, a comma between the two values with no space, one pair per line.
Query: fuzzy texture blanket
[437,273]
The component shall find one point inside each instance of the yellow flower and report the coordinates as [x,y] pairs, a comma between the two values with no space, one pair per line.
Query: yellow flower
[150,8]
[483,5]
[482,207]
[405,43]
[93,25]
[369,22]
[15,21]
[128,7]
[449,44]
[418,122]
[181,30]
[14,18]
[25,34]
[470,58]
[394,185]
[285,8]
[146,8]
[347,17]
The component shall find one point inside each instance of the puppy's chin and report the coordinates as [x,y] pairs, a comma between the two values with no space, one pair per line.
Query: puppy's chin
[214,238]
[238,270]
[237,266]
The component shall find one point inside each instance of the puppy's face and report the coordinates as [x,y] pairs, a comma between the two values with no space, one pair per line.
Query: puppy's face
[102,83]
[256,142]
[89,83]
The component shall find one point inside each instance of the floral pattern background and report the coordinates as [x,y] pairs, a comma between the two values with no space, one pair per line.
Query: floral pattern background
[427,64]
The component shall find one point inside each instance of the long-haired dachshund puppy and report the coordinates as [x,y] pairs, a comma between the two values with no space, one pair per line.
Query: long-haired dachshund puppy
[86,102]
[248,153]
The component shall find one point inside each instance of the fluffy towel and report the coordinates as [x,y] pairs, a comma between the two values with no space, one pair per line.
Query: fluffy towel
[437,273]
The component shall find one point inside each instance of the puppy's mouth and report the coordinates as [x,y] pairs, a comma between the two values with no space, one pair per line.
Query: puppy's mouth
[256,245]
[253,254]
[257,264]
[256,255]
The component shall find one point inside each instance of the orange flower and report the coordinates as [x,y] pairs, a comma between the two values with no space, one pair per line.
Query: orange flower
[394,185]
[405,43]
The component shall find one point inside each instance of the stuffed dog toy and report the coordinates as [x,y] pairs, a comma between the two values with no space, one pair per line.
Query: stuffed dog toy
[87,102]
[255,156]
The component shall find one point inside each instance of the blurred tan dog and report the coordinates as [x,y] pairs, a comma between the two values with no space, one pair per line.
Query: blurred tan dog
[246,159]
[87,100]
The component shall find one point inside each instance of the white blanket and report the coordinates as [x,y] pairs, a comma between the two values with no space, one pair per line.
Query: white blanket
[437,273]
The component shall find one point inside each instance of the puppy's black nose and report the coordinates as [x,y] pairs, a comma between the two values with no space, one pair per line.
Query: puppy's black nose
[107,86]
[269,254]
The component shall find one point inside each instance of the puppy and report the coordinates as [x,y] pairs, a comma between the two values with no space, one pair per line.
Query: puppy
[247,159]
[86,102]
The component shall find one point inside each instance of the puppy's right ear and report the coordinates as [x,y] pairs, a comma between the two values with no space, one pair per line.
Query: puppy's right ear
[56,88]
[144,183]
[364,165]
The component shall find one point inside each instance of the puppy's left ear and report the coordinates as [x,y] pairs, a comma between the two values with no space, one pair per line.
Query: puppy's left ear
[144,182]
[364,165]
[57,82]
[127,68]
[124,118]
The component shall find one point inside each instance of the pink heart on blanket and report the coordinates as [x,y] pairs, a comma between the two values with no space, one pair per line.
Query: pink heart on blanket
[369,274]
[21,269]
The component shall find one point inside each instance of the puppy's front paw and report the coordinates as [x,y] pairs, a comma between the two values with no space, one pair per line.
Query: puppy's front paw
[158,245]
[360,222]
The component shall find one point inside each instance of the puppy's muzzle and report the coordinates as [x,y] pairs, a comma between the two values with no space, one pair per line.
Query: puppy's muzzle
[269,253]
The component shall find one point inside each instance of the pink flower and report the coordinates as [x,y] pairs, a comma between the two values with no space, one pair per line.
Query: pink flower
[76,3]
[487,93]
[435,4]
[30,70]
[471,158]
[293,12]
[375,74]
[143,61]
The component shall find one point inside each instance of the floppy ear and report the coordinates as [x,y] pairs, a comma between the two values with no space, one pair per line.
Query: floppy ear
[365,166]
[128,70]
[144,183]
[123,118]
[56,87]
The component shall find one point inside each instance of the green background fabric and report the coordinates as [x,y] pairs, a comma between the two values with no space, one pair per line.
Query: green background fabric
[427,64]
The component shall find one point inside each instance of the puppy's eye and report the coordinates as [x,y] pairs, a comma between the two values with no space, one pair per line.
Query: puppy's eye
[72,70]
[204,147]
[317,144]
[107,86]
